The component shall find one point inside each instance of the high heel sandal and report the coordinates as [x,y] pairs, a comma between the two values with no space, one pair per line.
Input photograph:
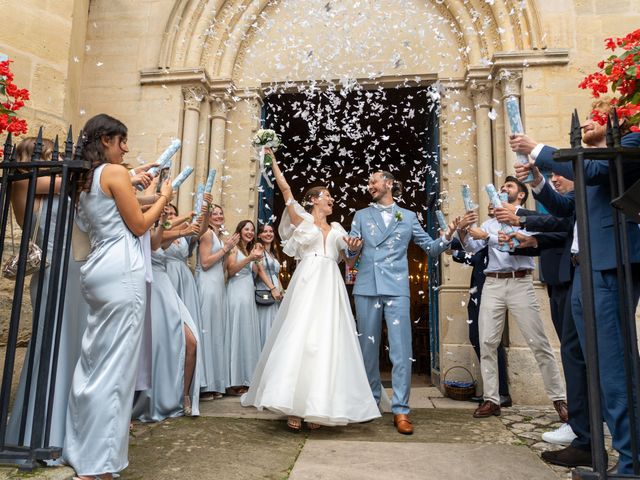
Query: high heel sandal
[294,423]
[187,406]
[312,426]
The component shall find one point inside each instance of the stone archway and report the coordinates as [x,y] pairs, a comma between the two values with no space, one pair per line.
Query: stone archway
[225,53]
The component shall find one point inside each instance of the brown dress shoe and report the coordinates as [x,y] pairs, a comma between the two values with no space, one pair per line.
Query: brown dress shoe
[487,409]
[403,424]
[563,411]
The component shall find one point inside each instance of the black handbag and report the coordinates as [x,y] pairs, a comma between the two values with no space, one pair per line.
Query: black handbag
[262,296]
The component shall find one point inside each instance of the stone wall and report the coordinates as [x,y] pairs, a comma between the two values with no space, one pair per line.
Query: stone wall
[46,41]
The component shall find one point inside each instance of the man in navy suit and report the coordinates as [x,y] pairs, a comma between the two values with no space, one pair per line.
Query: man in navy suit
[601,232]
[576,434]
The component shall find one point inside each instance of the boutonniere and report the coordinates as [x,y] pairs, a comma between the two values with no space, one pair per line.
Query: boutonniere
[398,216]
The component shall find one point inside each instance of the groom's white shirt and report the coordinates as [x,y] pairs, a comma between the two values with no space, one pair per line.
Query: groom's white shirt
[385,213]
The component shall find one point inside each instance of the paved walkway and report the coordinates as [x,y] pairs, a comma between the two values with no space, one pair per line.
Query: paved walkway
[231,442]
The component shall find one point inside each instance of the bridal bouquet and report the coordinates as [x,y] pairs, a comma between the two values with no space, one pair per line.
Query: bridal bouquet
[266,138]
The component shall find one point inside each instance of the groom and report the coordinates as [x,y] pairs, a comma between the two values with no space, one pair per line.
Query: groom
[380,234]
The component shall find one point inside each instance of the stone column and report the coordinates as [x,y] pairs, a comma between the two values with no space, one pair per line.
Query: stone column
[202,162]
[509,82]
[192,101]
[481,96]
[219,110]
[254,102]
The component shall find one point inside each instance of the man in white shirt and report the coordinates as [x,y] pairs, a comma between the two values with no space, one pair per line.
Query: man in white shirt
[509,286]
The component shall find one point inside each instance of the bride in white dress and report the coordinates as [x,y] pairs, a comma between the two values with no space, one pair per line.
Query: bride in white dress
[311,367]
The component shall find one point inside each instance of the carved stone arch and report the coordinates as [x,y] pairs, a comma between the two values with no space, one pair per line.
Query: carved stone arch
[211,34]
[455,10]
[171,33]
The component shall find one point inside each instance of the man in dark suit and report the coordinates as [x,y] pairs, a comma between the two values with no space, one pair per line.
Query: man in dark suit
[605,282]
[577,433]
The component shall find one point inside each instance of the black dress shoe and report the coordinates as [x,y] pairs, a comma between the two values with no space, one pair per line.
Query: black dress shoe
[568,457]
[477,399]
[505,401]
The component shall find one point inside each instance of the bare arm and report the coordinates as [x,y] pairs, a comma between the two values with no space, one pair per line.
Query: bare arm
[156,238]
[234,265]
[207,258]
[116,183]
[169,236]
[19,194]
[286,190]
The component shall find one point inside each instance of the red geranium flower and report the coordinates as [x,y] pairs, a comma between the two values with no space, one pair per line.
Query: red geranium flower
[619,74]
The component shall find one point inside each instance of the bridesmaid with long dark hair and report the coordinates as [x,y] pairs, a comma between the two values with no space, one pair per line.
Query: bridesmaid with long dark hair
[243,333]
[268,278]
[212,291]
[113,284]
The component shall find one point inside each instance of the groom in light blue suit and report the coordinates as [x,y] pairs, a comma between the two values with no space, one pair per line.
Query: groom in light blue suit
[380,235]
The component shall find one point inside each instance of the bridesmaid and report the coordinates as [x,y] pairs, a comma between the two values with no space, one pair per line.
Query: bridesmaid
[213,292]
[175,384]
[243,332]
[113,284]
[177,255]
[268,278]
[75,313]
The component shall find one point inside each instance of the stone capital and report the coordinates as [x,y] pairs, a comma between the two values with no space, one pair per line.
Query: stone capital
[481,94]
[509,82]
[193,96]
[220,105]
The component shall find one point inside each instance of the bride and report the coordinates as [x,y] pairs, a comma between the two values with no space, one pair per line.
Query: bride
[311,367]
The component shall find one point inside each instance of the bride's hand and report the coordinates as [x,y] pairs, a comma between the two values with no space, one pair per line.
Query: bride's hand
[354,244]
[269,151]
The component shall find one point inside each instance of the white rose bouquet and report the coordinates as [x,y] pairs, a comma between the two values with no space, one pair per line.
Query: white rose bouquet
[266,138]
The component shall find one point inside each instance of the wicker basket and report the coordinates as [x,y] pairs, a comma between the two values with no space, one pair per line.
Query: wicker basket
[463,393]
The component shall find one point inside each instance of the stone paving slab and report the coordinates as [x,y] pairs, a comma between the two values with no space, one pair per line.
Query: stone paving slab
[331,459]
[430,426]
[213,448]
[239,448]
[50,473]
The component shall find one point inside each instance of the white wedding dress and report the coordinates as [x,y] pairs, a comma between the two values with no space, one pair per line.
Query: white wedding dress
[311,365]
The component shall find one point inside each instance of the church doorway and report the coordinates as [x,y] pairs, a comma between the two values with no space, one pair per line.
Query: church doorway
[337,138]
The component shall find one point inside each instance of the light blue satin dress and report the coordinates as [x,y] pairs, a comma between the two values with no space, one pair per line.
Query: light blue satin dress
[164,399]
[267,313]
[213,307]
[243,334]
[74,321]
[181,277]
[113,284]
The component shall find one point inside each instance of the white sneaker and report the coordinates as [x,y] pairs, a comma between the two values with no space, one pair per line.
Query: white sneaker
[563,435]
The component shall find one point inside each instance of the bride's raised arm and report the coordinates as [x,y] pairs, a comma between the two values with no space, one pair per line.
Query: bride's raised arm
[285,189]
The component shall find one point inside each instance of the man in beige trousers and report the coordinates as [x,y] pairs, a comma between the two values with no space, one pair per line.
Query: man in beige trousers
[509,286]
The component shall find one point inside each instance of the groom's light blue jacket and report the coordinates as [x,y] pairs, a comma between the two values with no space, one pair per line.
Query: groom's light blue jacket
[383,268]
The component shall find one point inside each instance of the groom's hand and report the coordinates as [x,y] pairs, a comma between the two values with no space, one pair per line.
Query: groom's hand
[354,244]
